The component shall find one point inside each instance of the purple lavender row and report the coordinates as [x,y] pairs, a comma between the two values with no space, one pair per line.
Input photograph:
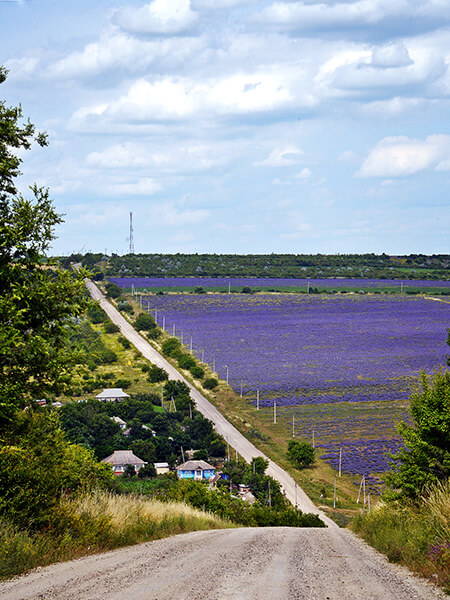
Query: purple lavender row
[253,282]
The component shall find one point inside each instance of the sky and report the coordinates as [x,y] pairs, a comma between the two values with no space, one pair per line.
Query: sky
[237,126]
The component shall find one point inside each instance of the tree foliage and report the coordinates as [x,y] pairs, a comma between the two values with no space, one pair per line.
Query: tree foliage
[38,300]
[425,458]
[301,454]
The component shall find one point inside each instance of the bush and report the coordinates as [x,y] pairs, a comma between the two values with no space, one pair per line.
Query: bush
[110,327]
[123,383]
[125,342]
[157,374]
[154,334]
[113,290]
[106,357]
[171,347]
[97,314]
[186,362]
[301,454]
[147,471]
[210,383]
[144,322]
[197,372]
[125,306]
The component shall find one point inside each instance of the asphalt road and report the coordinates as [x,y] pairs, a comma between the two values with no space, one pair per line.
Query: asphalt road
[273,563]
[236,440]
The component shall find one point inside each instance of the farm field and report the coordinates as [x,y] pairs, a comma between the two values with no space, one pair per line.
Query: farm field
[340,368]
[223,284]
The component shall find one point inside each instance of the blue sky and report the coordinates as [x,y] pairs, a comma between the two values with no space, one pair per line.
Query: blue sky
[242,126]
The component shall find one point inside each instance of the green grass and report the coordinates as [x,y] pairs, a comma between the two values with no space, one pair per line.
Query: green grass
[97,522]
[417,536]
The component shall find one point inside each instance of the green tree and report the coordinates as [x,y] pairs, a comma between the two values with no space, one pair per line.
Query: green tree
[144,322]
[301,454]
[425,458]
[38,300]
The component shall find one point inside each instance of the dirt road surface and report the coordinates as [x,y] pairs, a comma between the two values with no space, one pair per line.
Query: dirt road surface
[276,563]
[236,440]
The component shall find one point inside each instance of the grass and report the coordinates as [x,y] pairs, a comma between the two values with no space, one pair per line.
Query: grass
[98,522]
[417,536]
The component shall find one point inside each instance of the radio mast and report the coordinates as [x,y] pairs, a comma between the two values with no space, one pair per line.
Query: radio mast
[131,251]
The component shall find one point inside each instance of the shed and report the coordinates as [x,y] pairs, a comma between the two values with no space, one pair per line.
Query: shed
[161,468]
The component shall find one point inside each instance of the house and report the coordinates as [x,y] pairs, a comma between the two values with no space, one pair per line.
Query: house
[161,468]
[119,422]
[195,469]
[121,458]
[112,395]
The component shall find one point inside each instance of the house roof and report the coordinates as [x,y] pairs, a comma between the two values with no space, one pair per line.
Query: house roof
[123,457]
[162,465]
[112,393]
[118,420]
[192,465]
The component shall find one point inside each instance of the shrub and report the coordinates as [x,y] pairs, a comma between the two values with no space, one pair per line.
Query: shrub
[154,334]
[125,342]
[157,374]
[110,327]
[106,356]
[171,347]
[186,362]
[112,290]
[144,322]
[123,383]
[210,383]
[197,372]
[147,471]
[97,314]
[301,454]
[125,306]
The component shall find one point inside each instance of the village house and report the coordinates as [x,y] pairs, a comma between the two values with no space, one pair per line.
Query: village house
[121,458]
[112,395]
[195,469]
[119,422]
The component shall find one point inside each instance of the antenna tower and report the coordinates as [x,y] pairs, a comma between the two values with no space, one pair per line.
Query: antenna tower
[131,234]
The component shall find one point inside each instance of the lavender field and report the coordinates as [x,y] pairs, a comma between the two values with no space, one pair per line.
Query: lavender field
[150,283]
[343,366]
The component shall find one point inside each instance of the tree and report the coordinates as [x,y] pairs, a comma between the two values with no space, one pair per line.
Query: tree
[38,299]
[301,454]
[144,322]
[425,458]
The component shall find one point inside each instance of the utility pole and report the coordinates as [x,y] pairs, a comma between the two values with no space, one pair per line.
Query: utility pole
[257,399]
[131,251]
[313,441]
[226,367]
[241,387]
[340,461]
[190,346]
[274,412]
[293,426]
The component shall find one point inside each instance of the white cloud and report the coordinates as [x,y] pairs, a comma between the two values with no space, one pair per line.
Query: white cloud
[307,16]
[402,156]
[391,55]
[143,187]
[304,174]
[173,215]
[281,157]
[157,17]
[182,98]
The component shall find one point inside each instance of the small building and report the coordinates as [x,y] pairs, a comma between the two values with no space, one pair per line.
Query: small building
[121,458]
[195,469]
[112,395]
[119,422]
[161,468]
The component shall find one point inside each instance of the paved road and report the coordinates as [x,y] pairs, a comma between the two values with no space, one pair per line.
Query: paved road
[273,563]
[245,448]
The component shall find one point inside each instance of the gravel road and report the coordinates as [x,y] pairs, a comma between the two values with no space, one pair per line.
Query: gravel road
[274,563]
[236,440]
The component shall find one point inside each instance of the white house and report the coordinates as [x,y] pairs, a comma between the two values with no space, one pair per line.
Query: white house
[121,458]
[112,395]
[119,422]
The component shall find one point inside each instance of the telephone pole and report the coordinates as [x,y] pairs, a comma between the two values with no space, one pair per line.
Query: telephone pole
[131,251]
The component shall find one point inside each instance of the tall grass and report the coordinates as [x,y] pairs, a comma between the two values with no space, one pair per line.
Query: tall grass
[96,522]
[417,536]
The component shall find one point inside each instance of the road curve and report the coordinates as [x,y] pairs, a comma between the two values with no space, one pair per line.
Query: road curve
[245,448]
[273,563]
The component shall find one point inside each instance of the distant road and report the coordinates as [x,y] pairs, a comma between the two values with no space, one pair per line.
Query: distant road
[236,440]
[272,563]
